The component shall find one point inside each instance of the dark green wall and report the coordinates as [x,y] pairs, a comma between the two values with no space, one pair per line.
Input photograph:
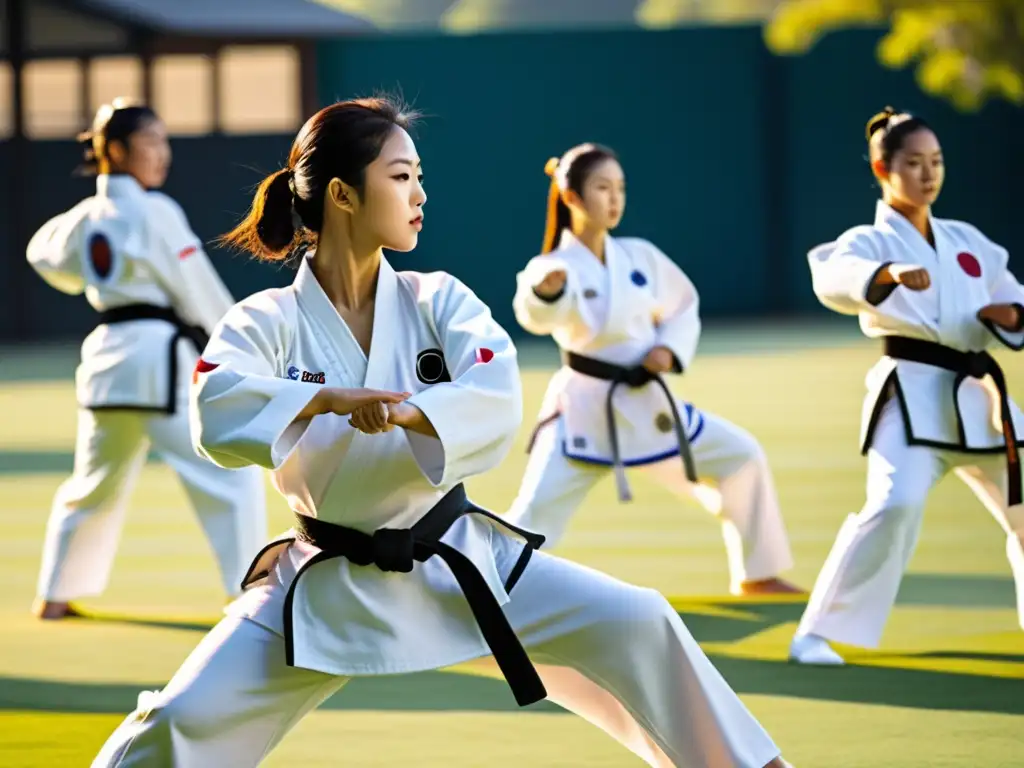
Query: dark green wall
[737,161]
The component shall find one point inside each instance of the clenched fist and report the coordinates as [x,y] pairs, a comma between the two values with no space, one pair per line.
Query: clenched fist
[911,276]
[551,285]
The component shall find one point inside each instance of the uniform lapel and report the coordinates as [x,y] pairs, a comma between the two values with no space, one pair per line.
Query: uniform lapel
[927,305]
[385,321]
[617,263]
[343,355]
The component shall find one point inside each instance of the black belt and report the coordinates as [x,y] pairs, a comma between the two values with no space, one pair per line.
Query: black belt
[397,549]
[634,378]
[977,365]
[198,336]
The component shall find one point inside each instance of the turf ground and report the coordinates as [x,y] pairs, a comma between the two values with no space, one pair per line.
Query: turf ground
[947,688]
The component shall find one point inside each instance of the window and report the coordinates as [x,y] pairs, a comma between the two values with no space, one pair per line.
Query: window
[183,93]
[6,100]
[113,76]
[53,98]
[260,89]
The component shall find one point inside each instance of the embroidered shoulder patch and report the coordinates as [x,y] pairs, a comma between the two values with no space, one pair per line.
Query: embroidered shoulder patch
[431,367]
[484,355]
[969,264]
[202,366]
[638,278]
[101,255]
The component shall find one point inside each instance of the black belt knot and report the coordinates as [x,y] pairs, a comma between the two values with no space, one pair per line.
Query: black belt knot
[635,377]
[976,365]
[398,549]
[392,549]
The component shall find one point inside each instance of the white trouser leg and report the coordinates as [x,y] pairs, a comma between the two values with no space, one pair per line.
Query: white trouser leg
[88,510]
[230,503]
[620,657]
[742,494]
[858,583]
[988,481]
[229,704]
[553,487]
[617,655]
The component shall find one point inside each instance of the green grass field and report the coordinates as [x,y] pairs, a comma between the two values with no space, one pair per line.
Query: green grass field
[947,689]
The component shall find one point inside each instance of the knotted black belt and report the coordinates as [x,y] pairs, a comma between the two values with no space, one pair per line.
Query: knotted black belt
[198,336]
[977,365]
[633,378]
[398,549]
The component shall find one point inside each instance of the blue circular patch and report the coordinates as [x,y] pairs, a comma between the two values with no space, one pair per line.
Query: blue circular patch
[293,373]
[638,278]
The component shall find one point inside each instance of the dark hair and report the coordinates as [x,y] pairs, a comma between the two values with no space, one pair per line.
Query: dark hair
[581,161]
[338,142]
[893,129]
[116,121]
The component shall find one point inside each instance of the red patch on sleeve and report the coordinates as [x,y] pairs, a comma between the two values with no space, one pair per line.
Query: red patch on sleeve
[186,252]
[969,264]
[202,367]
[101,255]
[484,355]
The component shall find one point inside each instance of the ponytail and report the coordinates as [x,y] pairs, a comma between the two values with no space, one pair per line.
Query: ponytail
[268,231]
[558,216]
[568,173]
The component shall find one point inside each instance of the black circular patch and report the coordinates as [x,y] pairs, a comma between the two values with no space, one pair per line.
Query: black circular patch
[664,422]
[430,367]
[590,293]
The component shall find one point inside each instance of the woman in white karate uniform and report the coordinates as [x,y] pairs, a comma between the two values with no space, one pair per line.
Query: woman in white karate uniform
[938,293]
[623,314]
[372,395]
[130,250]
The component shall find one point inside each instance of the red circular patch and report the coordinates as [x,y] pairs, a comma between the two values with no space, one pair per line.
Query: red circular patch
[100,255]
[969,264]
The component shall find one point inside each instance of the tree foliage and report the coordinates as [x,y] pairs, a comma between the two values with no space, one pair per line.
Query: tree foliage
[966,51]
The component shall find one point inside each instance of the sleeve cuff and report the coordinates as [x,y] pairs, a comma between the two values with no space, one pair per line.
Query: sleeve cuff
[549,299]
[875,294]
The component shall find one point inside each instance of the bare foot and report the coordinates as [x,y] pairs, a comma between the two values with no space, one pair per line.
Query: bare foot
[50,610]
[778,762]
[769,587]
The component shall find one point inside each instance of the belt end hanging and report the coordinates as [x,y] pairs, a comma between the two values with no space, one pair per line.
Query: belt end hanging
[622,483]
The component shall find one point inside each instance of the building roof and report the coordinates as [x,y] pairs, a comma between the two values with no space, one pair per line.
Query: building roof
[254,18]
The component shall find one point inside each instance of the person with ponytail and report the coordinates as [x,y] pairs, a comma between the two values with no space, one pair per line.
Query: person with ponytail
[624,316]
[130,250]
[373,395]
[938,293]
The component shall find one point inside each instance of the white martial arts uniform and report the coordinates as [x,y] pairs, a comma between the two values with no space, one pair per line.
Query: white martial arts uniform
[616,654]
[918,423]
[133,253]
[617,312]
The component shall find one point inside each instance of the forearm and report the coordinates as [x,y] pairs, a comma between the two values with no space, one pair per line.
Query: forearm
[414,420]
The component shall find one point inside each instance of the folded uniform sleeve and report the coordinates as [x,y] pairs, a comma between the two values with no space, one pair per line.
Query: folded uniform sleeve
[1005,290]
[476,415]
[242,411]
[679,325]
[843,273]
[55,252]
[541,316]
